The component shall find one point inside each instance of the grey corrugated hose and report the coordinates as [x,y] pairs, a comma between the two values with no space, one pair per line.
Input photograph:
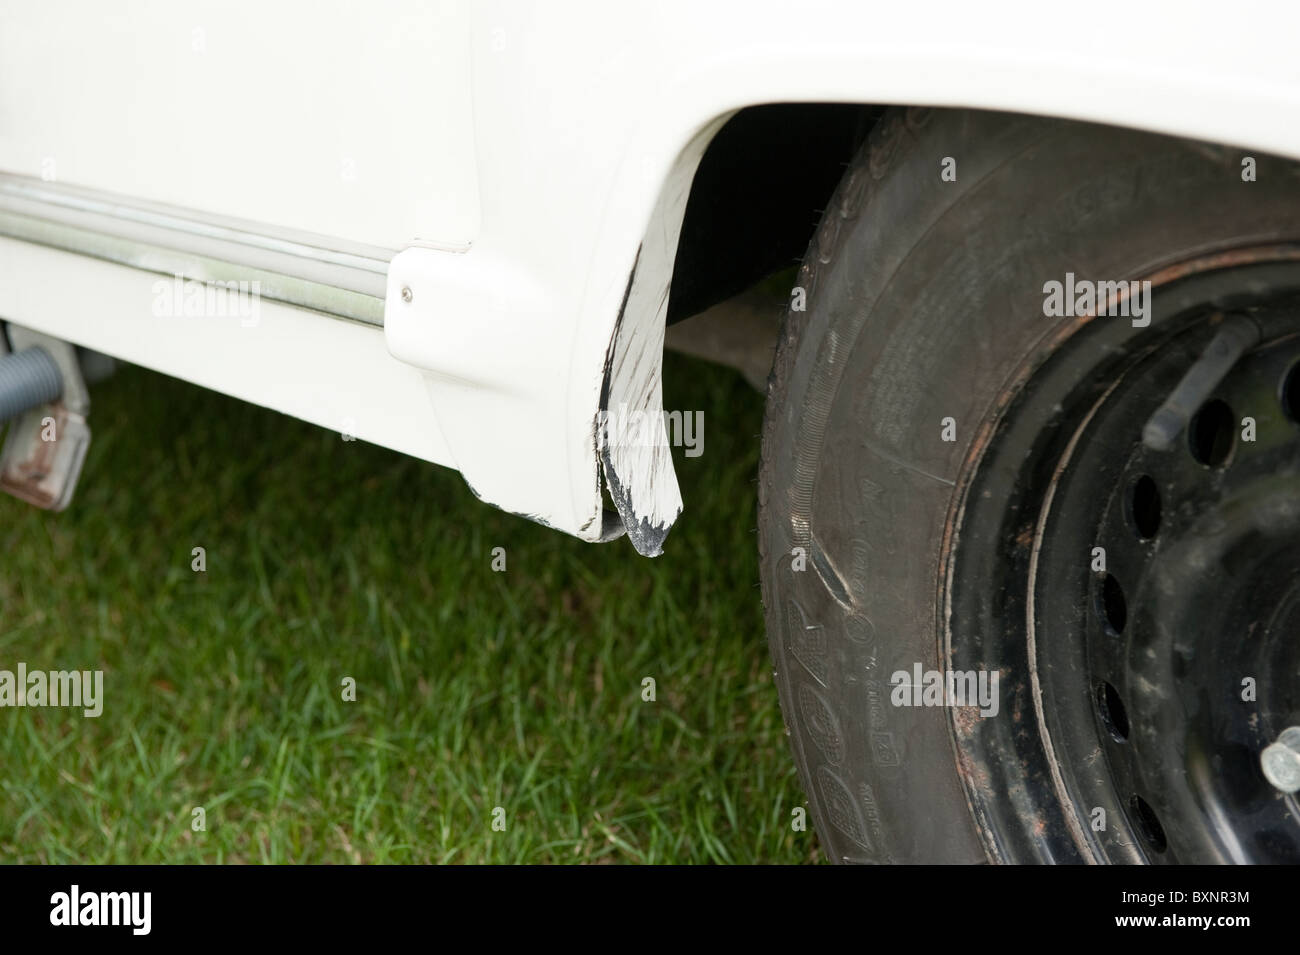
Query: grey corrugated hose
[27,378]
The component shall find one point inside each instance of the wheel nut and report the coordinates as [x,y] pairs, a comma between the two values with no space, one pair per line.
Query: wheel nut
[1281,760]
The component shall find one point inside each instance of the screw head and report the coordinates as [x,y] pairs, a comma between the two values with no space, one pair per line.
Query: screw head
[406,293]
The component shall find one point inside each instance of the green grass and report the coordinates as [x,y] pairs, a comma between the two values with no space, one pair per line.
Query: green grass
[329,559]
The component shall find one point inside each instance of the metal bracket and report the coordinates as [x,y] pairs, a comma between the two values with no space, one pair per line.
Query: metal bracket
[1236,336]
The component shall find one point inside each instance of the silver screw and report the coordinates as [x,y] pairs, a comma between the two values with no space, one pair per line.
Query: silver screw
[406,293]
[1281,760]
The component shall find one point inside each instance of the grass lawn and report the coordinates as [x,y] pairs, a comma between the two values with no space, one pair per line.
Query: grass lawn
[329,559]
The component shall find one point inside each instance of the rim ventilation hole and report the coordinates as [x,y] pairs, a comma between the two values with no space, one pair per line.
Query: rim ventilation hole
[1144,504]
[1113,715]
[1147,824]
[1114,608]
[1290,392]
[1211,433]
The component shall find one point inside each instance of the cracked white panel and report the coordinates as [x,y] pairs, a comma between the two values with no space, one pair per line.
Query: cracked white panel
[634,452]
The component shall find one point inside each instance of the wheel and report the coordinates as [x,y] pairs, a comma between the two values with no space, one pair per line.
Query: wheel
[1012,619]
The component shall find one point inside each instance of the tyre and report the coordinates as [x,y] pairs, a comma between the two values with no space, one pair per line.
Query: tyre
[1012,619]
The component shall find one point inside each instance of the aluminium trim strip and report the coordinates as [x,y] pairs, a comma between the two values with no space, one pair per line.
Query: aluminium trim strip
[338,278]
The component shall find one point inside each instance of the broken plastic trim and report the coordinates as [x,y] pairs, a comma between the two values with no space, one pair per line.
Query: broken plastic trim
[640,478]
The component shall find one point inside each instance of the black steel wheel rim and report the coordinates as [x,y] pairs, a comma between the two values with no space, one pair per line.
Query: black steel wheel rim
[1125,731]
